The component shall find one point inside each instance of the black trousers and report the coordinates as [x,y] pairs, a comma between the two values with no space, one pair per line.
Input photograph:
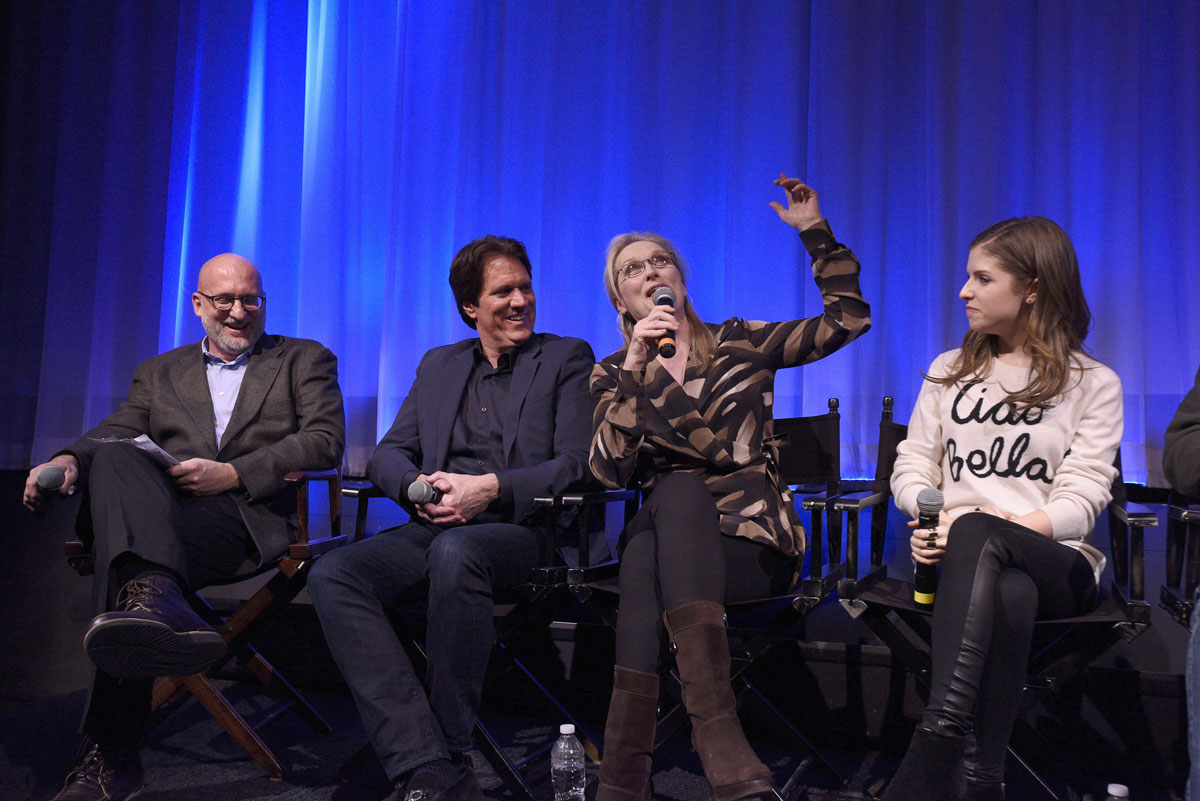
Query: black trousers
[997,579]
[141,521]
[674,553]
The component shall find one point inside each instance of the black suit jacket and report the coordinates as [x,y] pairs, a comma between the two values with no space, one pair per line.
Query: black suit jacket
[547,425]
[288,416]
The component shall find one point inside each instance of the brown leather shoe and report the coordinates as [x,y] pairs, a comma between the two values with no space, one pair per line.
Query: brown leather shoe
[702,655]
[424,787]
[98,776]
[155,632]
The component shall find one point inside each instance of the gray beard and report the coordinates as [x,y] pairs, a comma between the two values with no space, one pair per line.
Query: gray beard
[216,334]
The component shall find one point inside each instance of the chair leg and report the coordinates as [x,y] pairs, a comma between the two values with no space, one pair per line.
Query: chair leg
[282,690]
[211,699]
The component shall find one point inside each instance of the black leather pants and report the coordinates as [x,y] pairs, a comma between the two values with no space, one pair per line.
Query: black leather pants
[997,579]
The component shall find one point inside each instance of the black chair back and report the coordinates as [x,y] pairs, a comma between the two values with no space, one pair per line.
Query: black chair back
[808,450]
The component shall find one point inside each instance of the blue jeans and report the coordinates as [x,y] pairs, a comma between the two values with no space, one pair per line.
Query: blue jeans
[456,570]
[1193,702]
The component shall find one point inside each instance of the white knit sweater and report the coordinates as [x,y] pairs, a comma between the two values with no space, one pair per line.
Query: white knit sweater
[979,450]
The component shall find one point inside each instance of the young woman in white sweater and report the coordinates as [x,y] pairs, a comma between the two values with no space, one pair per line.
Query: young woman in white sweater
[1019,429]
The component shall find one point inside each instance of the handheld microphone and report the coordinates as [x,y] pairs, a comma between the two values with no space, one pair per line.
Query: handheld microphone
[929,506]
[665,296]
[51,477]
[424,492]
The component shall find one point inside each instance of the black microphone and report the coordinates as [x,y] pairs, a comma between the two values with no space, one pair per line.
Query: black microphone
[665,296]
[51,477]
[424,492]
[929,506]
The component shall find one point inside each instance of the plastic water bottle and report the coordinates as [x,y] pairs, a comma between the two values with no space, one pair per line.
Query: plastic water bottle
[566,766]
[1117,792]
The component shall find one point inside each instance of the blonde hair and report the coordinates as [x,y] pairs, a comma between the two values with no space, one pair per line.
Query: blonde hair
[703,342]
[1033,249]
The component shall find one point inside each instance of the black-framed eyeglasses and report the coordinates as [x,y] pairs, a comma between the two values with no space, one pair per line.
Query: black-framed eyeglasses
[634,268]
[225,302]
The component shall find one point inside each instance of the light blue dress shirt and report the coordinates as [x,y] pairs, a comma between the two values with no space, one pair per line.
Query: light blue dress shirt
[224,383]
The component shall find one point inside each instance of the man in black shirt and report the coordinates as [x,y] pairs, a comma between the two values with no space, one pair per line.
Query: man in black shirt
[489,422]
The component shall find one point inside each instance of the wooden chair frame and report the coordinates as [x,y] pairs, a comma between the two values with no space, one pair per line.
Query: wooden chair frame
[240,628]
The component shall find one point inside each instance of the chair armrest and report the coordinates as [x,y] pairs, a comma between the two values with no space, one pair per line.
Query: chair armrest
[362,492]
[303,548]
[361,489]
[1137,515]
[314,548]
[859,501]
[297,476]
[584,498]
[1185,514]
[79,557]
[821,501]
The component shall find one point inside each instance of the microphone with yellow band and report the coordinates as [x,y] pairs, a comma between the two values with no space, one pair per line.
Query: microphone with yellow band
[929,508]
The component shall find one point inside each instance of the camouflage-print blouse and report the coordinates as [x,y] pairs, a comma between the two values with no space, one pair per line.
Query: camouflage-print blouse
[716,424]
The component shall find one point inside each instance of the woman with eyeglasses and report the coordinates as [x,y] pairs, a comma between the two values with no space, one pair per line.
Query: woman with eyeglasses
[1019,429]
[694,427]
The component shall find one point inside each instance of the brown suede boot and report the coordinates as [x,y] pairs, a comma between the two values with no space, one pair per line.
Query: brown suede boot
[702,655]
[629,737]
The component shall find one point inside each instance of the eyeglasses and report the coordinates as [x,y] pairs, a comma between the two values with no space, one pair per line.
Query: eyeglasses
[225,302]
[658,261]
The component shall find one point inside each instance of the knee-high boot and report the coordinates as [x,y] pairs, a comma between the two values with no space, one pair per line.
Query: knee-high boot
[926,770]
[702,655]
[629,737]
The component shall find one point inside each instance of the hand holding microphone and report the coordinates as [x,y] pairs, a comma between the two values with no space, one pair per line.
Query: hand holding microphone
[51,477]
[421,491]
[665,296]
[929,507]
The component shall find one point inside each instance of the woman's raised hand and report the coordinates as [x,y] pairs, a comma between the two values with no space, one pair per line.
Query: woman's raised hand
[802,210]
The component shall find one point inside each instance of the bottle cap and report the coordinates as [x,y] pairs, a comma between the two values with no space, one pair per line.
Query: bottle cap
[569,728]
[1118,790]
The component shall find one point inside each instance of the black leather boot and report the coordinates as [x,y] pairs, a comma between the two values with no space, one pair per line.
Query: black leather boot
[984,792]
[926,770]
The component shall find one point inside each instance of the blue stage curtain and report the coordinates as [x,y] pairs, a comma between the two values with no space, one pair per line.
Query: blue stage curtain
[350,148]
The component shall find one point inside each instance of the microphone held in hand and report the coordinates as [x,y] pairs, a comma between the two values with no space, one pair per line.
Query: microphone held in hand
[929,507]
[51,477]
[424,492]
[665,296]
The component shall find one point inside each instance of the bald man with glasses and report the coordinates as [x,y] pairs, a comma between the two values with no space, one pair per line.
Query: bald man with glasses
[236,412]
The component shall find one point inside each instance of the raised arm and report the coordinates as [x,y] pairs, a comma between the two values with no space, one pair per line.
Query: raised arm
[836,270]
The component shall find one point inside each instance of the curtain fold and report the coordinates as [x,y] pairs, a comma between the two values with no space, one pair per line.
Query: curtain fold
[350,148]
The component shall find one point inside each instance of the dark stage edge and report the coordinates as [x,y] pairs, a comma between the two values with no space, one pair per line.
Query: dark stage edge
[189,758]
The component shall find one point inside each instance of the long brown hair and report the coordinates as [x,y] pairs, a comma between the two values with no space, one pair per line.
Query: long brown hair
[703,341]
[1033,249]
